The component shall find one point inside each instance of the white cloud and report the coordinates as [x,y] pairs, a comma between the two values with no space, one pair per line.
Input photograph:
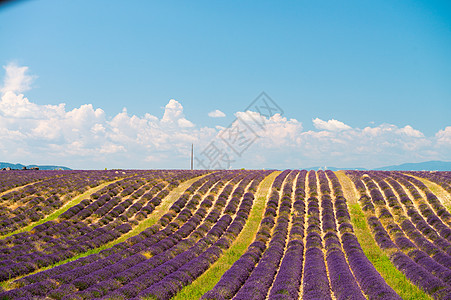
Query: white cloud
[337,144]
[85,137]
[216,114]
[18,106]
[409,131]
[185,123]
[16,80]
[274,132]
[51,134]
[98,129]
[111,148]
[331,125]
[6,134]
[444,136]
[251,117]
[173,114]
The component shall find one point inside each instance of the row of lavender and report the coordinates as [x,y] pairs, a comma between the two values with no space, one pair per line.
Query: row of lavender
[261,278]
[318,262]
[61,227]
[72,235]
[366,276]
[185,271]
[167,242]
[315,283]
[161,242]
[15,178]
[251,275]
[407,227]
[36,200]
[335,265]
[297,253]
[441,178]
[165,219]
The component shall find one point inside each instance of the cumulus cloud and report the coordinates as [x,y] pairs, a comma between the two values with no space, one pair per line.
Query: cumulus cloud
[409,131]
[18,106]
[444,136]
[331,125]
[274,132]
[338,144]
[370,147]
[16,80]
[173,114]
[85,137]
[216,114]
[52,134]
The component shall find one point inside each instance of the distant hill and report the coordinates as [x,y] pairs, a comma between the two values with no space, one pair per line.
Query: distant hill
[423,166]
[20,166]
[434,165]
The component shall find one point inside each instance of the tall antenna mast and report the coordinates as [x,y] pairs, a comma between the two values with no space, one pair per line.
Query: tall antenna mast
[192,147]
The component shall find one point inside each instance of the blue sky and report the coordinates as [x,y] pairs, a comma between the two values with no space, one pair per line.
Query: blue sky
[381,65]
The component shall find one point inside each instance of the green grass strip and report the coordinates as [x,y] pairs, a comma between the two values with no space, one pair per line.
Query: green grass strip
[211,277]
[149,221]
[60,210]
[392,276]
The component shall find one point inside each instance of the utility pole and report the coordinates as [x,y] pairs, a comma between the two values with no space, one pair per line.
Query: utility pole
[192,148]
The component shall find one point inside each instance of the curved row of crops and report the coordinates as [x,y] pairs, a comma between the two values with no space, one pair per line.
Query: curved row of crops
[154,234]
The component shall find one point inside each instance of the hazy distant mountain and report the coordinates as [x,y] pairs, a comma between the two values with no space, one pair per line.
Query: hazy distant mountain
[20,166]
[423,166]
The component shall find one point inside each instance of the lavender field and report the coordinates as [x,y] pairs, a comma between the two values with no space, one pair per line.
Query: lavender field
[229,234]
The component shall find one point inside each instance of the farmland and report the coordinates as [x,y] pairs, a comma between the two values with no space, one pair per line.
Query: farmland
[227,234]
